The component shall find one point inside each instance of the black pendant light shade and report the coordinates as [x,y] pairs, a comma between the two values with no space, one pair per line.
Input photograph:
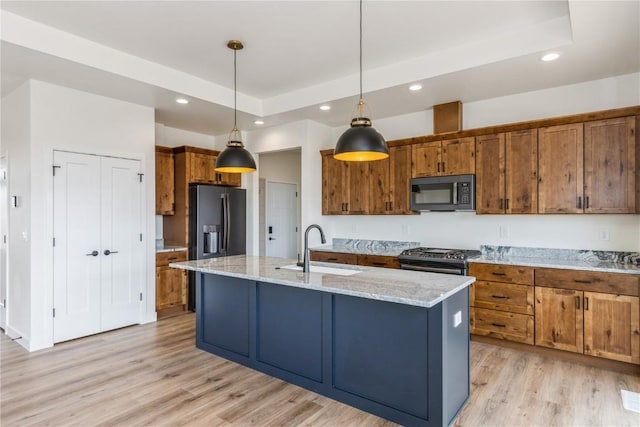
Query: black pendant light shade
[235,158]
[361,142]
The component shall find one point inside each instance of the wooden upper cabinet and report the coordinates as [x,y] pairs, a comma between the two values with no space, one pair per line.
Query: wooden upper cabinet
[506,173]
[389,182]
[201,170]
[458,156]
[521,172]
[345,186]
[490,174]
[426,159]
[165,193]
[448,157]
[609,166]
[560,169]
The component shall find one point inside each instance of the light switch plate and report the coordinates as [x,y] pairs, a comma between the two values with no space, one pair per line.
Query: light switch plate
[457,319]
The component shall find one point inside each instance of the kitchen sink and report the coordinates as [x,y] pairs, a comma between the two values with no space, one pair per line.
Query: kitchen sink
[325,270]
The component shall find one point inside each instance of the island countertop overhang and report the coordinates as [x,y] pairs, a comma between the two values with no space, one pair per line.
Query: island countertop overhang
[414,288]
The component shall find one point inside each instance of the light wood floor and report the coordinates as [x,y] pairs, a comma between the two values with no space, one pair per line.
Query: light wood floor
[153,375]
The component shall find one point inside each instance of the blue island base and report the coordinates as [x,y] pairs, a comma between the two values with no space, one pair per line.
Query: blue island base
[405,363]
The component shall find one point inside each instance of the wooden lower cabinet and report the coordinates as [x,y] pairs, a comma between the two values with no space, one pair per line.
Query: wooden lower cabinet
[559,321]
[171,284]
[502,324]
[355,259]
[612,326]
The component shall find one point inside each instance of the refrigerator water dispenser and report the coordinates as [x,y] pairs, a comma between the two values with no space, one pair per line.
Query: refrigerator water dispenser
[211,238]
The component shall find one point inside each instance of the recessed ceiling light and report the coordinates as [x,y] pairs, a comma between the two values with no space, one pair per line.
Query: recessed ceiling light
[550,57]
[325,107]
[182,101]
[258,122]
[415,87]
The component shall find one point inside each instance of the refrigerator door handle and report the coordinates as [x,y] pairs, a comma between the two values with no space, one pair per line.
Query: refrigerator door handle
[223,241]
[228,222]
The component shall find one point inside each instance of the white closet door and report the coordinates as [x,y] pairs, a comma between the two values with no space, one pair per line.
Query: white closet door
[76,204]
[123,267]
[4,234]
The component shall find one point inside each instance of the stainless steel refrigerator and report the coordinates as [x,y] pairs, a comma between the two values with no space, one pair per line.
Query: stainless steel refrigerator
[217,225]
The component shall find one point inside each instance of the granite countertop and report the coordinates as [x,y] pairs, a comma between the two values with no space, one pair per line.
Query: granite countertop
[171,249]
[400,286]
[366,247]
[571,259]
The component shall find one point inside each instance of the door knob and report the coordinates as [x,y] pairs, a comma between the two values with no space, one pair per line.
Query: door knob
[272,238]
[107,252]
[94,253]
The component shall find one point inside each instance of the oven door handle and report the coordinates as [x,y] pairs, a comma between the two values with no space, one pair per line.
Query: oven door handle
[431,269]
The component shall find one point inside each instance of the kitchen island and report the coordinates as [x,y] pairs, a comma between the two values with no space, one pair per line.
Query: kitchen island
[393,343]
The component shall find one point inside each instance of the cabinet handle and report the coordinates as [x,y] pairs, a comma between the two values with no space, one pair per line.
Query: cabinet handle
[506,204]
[379,263]
[582,281]
[499,296]
[442,167]
[346,207]
[586,202]
[500,204]
[498,274]
[94,253]
[577,303]
[438,166]
[586,303]
[579,202]
[332,259]
[390,206]
[499,325]
[108,252]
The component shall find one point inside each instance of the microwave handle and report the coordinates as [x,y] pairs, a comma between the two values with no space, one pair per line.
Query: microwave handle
[455,193]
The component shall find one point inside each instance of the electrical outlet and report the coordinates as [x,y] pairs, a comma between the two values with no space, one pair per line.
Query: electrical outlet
[405,229]
[504,231]
[604,235]
[457,319]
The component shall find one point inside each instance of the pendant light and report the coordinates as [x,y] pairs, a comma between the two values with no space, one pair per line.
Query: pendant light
[361,142]
[235,158]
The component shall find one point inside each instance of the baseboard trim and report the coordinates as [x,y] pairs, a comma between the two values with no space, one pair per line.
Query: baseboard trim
[596,362]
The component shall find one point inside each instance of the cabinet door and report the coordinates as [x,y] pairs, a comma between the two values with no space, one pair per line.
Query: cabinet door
[426,159]
[335,189]
[612,326]
[609,166]
[170,288]
[458,156]
[358,187]
[558,319]
[379,187]
[230,179]
[337,257]
[202,168]
[164,183]
[560,169]
[490,163]
[521,172]
[399,179]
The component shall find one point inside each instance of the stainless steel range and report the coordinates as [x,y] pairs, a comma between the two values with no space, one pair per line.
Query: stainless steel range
[437,260]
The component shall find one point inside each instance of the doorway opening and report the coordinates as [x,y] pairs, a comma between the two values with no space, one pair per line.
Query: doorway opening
[279,204]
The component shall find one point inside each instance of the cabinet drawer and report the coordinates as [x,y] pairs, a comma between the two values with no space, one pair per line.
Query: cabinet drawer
[593,281]
[502,296]
[502,325]
[340,258]
[379,261]
[502,273]
[165,258]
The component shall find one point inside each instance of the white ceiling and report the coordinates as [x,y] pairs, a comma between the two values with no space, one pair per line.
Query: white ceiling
[300,54]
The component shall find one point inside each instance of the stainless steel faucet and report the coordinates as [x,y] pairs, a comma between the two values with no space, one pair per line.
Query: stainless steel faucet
[305,265]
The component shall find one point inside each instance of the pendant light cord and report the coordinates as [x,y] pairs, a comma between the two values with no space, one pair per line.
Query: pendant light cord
[235,91]
[361,50]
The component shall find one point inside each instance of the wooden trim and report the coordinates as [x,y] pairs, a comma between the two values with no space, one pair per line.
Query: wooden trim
[161,149]
[611,365]
[637,165]
[532,124]
[189,149]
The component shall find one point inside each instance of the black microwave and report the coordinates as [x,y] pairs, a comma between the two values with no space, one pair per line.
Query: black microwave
[444,193]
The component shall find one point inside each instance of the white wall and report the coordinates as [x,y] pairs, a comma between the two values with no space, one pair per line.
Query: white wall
[171,137]
[70,120]
[15,144]
[467,230]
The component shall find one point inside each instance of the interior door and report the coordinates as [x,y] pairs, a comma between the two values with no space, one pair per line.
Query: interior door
[4,232]
[76,255]
[121,251]
[282,210]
